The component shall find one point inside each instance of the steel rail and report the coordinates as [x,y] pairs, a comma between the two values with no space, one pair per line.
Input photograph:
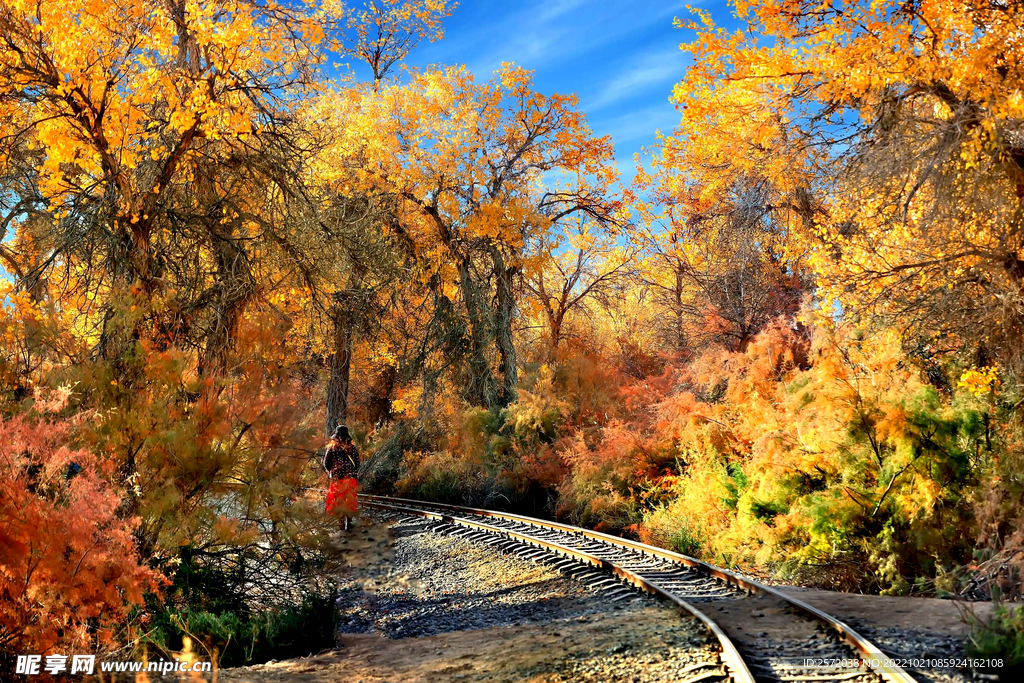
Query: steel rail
[731,659]
[883,665]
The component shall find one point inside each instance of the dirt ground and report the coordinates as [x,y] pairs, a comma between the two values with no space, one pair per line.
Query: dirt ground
[930,614]
[628,646]
[481,616]
[583,649]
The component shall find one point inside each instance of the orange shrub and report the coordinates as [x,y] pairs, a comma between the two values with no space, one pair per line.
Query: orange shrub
[69,573]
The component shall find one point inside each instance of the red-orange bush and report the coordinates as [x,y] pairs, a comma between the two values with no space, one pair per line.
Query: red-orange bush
[69,574]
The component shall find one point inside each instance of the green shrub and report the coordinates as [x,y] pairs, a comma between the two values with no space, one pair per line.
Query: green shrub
[1000,637]
[684,540]
[206,603]
[236,639]
[669,525]
[444,477]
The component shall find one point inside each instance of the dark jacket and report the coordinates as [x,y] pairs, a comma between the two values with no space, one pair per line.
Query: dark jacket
[341,460]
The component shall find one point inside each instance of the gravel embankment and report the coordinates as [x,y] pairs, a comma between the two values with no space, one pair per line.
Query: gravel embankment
[927,630]
[450,584]
[447,609]
[918,644]
[442,608]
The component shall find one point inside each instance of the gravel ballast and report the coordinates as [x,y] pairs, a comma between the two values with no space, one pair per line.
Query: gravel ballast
[445,608]
[451,584]
[441,608]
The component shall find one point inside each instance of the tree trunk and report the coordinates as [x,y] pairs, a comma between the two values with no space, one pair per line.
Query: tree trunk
[555,322]
[380,408]
[503,327]
[480,390]
[234,288]
[131,286]
[680,329]
[343,315]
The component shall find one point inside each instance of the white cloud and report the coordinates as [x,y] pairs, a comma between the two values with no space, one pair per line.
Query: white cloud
[538,34]
[655,69]
[639,125]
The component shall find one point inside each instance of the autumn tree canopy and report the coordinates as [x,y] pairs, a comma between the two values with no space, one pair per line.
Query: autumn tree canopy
[463,161]
[792,340]
[890,133]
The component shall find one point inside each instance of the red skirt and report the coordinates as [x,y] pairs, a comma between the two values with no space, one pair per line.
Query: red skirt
[341,497]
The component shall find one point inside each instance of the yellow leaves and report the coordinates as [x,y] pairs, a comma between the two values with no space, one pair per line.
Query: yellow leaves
[124,63]
[467,160]
[980,381]
[408,401]
[750,107]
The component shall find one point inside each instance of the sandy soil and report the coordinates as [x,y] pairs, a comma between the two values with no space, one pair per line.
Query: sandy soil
[627,646]
[929,614]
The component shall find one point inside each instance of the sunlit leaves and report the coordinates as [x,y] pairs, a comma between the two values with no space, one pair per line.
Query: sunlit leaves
[891,133]
[980,381]
[111,87]
[70,575]
[383,32]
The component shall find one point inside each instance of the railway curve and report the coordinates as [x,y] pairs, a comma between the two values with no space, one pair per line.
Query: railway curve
[763,633]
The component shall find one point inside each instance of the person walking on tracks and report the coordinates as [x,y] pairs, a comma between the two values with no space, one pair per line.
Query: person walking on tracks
[341,460]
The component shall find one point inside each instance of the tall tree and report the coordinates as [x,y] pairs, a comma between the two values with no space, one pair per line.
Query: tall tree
[891,131]
[579,261]
[463,161]
[383,32]
[160,139]
[380,34]
[720,265]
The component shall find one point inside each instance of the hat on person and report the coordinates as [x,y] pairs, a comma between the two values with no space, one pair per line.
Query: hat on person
[341,432]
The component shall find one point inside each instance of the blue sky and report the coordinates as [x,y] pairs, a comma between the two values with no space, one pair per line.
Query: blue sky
[622,58]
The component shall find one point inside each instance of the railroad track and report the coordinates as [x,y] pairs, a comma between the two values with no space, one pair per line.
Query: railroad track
[765,636]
